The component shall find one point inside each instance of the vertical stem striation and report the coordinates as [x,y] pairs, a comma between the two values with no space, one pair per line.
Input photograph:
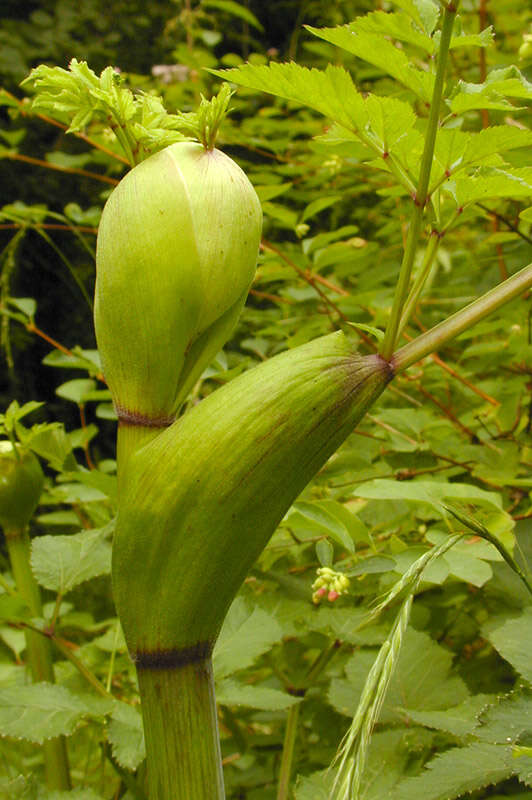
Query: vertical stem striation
[289,744]
[39,650]
[181,730]
[420,197]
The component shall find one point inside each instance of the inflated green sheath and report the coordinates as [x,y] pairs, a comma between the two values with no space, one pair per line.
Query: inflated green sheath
[176,254]
[202,499]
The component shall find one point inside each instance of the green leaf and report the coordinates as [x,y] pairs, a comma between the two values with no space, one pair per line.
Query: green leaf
[235,9]
[469,569]
[460,720]
[330,91]
[491,183]
[482,39]
[500,84]
[231,693]
[27,305]
[380,52]
[396,26]
[325,553]
[343,624]
[512,638]
[62,562]
[506,720]
[20,788]
[41,711]
[457,771]
[324,519]
[243,638]
[422,681]
[74,794]
[318,205]
[76,390]
[316,786]
[493,141]
[126,736]
[431,492]
[424,12]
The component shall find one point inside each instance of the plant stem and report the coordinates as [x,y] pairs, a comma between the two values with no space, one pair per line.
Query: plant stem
[39,651]
[287,759]
[420,197]
[181,730]
[464,319]
[417,288]
[290,735]
[129,439]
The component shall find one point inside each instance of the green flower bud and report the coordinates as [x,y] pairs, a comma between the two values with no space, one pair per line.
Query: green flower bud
[21,484]
[176,254]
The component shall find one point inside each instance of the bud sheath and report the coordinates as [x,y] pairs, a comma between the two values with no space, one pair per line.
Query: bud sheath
[177,249]
[203,498]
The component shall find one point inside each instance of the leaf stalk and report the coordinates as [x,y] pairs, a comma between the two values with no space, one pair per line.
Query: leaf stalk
[464,319]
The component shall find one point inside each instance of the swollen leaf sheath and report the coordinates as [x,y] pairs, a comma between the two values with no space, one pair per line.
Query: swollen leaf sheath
[176,254]
[202,499]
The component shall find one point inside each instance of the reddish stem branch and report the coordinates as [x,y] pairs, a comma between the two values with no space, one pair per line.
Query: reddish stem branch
[38,162]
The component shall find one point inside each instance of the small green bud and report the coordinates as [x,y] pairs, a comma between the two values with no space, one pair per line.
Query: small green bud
[21,484]
[176,254]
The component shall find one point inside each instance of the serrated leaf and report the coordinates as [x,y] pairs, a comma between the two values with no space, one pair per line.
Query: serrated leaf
[41,711]
[422,680]
[243,638]
[497,139]
[379,52]
[482,39]
[231,693]
[330,91]
[506,720]
[126,735]
[62,562]
[491,183]
[395,25]
[457,771]
[424,12]
[460,720]
[500,84]
[512,638]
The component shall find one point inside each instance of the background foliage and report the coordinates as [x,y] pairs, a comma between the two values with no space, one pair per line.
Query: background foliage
[455,428]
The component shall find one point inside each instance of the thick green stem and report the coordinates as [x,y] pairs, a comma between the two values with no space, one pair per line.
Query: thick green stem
[38,649]
[129,439]
[420,197]
[464,319]
[290,736]
[181,730]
